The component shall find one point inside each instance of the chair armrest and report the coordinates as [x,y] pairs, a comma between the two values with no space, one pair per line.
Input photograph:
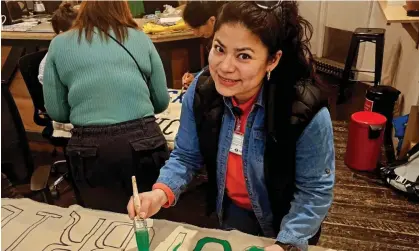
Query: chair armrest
[41,118]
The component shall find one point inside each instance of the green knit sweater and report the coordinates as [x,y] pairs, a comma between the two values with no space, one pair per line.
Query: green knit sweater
[98,83]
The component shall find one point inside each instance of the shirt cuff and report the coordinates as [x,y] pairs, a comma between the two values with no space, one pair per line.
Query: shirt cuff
[288,238]
[169,193]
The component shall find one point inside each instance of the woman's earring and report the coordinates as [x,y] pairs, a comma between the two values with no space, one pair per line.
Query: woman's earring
[268,75]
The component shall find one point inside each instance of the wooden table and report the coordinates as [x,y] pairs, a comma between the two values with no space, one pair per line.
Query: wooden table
[396,13]
[28,42]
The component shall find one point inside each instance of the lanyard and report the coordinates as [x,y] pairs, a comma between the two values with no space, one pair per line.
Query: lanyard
[238,124]
[237,114]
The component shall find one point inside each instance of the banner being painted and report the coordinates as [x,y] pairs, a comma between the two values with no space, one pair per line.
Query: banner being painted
[169,120]
[29,225]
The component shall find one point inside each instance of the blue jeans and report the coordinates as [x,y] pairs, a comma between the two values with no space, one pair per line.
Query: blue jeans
[241,219]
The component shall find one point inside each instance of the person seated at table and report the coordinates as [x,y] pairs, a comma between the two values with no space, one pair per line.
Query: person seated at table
[61,21]
[200,16]
[106,78]
[261,128]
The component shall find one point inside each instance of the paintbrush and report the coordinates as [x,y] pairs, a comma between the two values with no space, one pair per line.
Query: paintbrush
[140,225]
[137,204]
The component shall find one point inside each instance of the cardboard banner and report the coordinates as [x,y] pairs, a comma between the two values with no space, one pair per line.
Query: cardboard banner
[169,120]
[29,225]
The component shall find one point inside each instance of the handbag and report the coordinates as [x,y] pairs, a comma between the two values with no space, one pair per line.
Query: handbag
[403,175]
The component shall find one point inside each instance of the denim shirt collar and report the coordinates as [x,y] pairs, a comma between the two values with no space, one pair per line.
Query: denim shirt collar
[260,101]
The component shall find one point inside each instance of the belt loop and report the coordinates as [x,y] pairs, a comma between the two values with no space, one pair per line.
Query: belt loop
[123,128]
[144,126]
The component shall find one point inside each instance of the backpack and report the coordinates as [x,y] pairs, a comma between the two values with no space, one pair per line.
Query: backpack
[403,174]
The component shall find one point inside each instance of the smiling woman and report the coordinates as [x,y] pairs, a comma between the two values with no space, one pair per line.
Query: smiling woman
[239,61]
[258,122]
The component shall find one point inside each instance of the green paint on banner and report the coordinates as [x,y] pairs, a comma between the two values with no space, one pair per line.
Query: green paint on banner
[202,242]
[178,246]
[142,239]
[254,248]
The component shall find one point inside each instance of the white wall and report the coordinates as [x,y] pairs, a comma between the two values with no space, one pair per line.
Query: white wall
[352,14]
[347,15]
[310,10]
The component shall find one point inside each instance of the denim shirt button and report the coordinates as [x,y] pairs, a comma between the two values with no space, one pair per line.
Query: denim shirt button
[327,171]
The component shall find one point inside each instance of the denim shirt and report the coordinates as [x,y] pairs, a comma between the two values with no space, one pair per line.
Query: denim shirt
[315,168]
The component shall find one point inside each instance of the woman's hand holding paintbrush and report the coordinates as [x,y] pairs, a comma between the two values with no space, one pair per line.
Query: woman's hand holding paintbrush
[147,204]
[140,225]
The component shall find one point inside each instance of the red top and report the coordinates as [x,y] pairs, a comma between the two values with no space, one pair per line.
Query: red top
[235,181]
[369,118]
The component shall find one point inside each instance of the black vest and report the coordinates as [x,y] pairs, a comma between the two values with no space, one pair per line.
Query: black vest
[281,138]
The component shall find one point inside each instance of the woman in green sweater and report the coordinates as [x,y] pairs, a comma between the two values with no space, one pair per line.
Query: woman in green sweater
[106,78]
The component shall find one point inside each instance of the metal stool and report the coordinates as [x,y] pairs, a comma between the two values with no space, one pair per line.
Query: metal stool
[373,35]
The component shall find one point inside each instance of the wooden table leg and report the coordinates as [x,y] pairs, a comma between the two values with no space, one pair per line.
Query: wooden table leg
[10,65]
[166,58]
[414,33]
[194,55]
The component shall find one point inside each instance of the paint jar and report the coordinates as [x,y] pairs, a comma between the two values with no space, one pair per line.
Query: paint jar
[141,234]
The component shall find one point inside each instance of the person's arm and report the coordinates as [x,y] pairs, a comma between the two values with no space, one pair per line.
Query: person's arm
[315,177]
[55,92]
[186,159]
[158,86]
[41,69]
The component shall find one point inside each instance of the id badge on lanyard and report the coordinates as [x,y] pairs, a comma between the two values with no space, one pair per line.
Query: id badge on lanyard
[238,138]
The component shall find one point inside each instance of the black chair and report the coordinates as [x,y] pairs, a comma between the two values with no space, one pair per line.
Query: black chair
[17,163]
[373,35]
[29,67]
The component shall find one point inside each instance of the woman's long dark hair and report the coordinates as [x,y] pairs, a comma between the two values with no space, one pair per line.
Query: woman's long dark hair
[279,28]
